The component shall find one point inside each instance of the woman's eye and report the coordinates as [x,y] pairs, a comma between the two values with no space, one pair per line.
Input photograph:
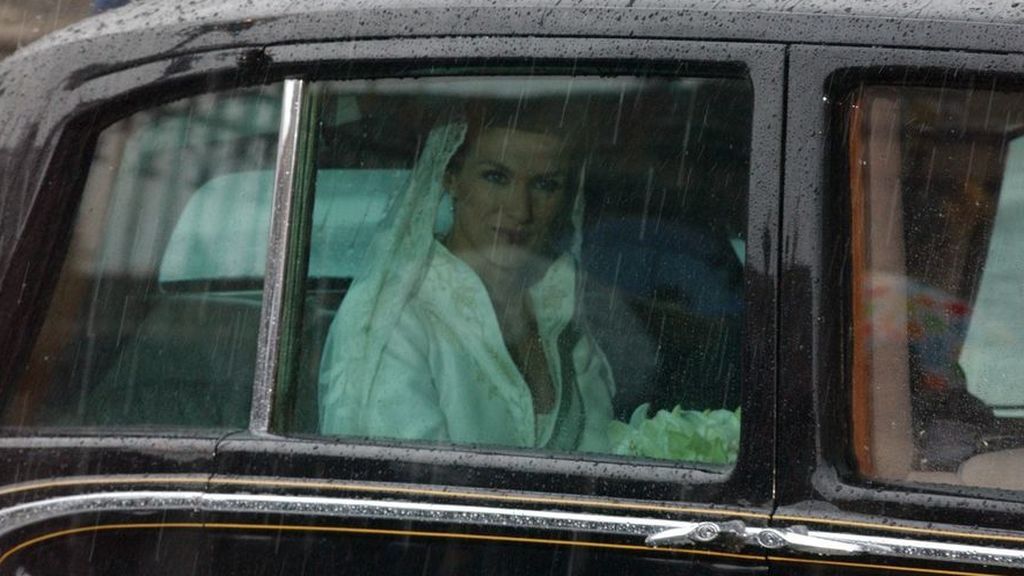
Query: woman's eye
[547,185]
[495,177]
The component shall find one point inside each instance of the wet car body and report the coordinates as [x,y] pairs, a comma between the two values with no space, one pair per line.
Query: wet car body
[246,499]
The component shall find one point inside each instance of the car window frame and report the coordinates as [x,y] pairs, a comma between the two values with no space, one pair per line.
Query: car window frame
[101,100]
[658,480]
[819,468]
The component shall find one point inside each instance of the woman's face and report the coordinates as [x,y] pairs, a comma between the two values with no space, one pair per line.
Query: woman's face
[510,196]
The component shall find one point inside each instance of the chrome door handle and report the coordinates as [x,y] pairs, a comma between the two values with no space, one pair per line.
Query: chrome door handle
[795,538]
[702,532]
[799,538]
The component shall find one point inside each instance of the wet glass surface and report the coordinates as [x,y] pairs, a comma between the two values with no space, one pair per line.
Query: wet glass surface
[544,262]
[153,320]
[549,262]
[938,308]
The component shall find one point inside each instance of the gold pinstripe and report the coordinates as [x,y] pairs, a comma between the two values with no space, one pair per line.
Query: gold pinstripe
[459,536]
[545,500]
[371,531]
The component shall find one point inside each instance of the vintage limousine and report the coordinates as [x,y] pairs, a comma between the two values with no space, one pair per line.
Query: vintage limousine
[514,287]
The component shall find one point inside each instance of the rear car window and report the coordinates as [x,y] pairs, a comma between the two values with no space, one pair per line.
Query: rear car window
[544,262]
[937,220]
[153,319]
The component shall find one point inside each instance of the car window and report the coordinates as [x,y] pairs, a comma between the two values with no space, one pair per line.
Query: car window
[938,312]
[544,262]
[153,319]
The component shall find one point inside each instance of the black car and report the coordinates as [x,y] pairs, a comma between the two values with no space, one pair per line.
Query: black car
[439,287]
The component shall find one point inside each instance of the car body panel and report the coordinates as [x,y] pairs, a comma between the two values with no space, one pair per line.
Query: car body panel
[794,478]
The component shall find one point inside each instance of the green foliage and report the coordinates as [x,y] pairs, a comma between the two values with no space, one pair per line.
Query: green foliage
[709,436]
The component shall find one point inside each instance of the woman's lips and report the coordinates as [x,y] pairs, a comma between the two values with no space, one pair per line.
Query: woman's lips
[514,236]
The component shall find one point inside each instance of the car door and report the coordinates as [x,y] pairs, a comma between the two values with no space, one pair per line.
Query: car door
[211,231]
[899,405]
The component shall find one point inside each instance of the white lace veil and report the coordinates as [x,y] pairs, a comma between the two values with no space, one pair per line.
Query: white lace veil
[395,264]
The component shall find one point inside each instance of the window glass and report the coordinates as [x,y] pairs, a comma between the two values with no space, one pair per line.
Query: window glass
[547,262]
[154,317]
[938,308]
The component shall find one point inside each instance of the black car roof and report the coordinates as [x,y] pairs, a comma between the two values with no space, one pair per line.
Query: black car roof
[159,26]
[152,30]
[145,30]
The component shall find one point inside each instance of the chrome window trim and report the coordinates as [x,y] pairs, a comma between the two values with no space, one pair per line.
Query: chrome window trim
[760,64]
[288,185]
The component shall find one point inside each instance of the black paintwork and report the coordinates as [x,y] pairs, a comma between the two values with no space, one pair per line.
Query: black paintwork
[101,69]
[253,544]
[814,275]
[749,485]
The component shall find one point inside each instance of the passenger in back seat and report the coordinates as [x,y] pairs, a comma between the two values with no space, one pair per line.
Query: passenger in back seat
[476,336]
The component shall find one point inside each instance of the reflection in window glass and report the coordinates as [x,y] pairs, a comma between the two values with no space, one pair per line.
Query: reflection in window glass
[154,317]
[543,262]
[938,307]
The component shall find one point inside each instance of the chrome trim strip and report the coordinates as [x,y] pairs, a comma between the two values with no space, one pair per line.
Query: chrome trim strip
[23,515]
[293,107]
[446,513]
[928,550]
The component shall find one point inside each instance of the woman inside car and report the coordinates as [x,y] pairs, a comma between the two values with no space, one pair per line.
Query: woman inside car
[474,333]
